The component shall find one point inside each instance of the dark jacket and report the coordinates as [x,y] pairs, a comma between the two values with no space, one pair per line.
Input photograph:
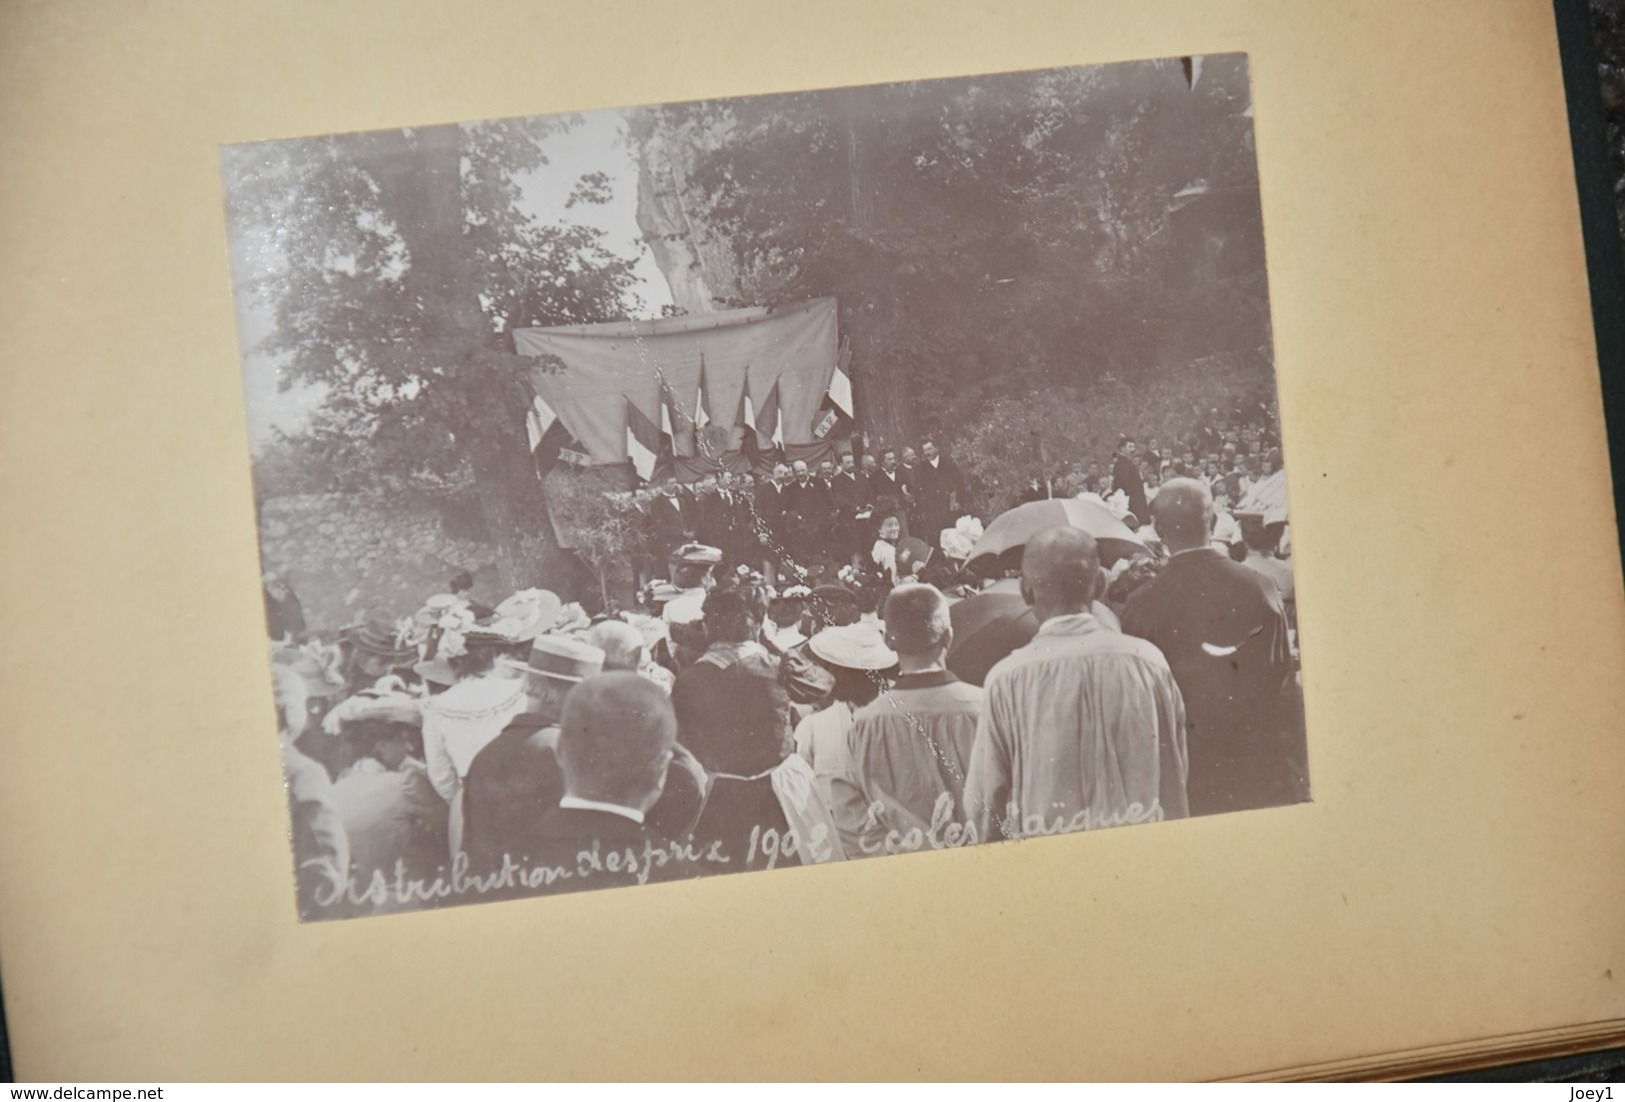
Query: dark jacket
[591,849]
[1223,630]
[736,807]
[1126,477]
[516,781]
[734,717]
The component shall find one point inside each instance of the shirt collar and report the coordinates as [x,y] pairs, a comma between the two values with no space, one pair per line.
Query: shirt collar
[1075,623]
[576,803]
[925,679]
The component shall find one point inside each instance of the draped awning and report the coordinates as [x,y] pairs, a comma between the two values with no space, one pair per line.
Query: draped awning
[783,356]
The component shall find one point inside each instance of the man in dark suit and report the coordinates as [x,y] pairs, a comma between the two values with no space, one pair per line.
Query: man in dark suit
[850,496]
[722,523]
[671,519]
[938,493]
[890,492]
[1126,477]
[768,510]
[910,465]
[1223,630]
[806,509]
[710,519]
[616,739]
[517,780]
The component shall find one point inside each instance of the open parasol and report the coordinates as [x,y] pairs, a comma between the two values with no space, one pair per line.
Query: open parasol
[1011,530]
[987,626]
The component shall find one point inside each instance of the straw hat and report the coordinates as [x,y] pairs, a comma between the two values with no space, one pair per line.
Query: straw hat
[562,658]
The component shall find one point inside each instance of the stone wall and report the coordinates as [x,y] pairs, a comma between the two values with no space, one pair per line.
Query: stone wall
[350,556]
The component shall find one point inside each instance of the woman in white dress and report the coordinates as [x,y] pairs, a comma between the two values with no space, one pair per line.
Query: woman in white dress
[863,666]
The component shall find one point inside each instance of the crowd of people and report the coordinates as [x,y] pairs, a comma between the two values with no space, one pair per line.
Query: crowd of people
[811,520]
[791,693]
[816,516]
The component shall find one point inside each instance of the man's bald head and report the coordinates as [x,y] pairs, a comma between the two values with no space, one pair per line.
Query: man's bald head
[1183,512]
[1060,571]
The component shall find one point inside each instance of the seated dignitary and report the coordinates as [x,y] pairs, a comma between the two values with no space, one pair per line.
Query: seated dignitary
[1081,728]
[615,742]
[911,748]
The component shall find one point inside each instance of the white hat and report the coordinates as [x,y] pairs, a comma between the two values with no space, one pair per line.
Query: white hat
[526,614]
[859,646]
[389,706]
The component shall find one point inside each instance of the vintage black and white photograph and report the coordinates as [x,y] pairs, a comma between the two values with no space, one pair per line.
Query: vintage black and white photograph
[728,486]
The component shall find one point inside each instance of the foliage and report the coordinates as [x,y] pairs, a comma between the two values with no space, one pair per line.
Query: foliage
[1017,437]
[602,530]
[996,236]
[394,263]
[1608,32]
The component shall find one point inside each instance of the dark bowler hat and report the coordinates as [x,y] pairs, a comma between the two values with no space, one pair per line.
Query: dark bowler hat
[563,658]
[483,636]
[436,671]
[378,638]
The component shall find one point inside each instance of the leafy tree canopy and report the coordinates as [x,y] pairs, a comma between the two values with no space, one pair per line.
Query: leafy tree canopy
[394,263]
[994,235]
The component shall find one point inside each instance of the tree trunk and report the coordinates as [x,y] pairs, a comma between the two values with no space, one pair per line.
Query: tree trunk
[880,389]
[426,194]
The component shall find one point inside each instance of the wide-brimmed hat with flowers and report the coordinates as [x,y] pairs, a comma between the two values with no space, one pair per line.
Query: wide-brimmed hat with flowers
[525,615]
[318,665]
[391,705]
